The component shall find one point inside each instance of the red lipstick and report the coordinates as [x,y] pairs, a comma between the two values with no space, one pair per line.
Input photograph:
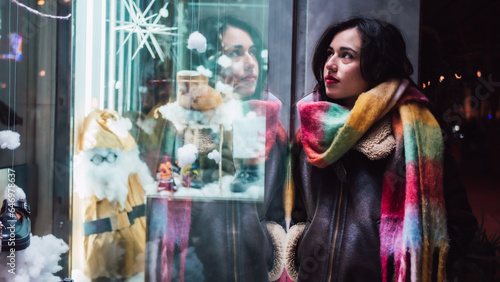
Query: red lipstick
[330,79]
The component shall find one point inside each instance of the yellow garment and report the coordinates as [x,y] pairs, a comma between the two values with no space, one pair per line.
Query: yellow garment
[98,132]
[118,253]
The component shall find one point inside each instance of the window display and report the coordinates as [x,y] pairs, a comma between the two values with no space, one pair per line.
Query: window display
[180,154]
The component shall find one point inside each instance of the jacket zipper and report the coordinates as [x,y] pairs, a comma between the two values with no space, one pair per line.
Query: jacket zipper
[336,231]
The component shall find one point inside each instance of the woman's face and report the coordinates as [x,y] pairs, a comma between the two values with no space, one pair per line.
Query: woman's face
[342,71]
[243,72]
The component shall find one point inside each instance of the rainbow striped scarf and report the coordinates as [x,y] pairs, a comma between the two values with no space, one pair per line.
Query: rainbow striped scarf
[413,216]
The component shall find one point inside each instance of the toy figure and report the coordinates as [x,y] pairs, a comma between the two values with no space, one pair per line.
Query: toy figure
[112,182]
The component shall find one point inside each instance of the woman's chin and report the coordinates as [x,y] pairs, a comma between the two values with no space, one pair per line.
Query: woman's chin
[245,91]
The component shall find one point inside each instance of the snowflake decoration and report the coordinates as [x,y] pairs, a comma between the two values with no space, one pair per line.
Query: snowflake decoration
[145,28]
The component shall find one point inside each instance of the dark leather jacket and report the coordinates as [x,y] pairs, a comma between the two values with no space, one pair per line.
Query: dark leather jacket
[340,206]
[231,237]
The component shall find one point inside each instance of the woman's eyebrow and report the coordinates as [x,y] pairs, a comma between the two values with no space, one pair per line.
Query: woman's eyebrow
[349,49]
[344,49]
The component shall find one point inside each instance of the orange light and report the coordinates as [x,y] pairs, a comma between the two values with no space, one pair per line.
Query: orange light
[423,85]
[41,2]
[441,78]
[429,83]
[458,76]
[42,73]
[478,73]
[4,85]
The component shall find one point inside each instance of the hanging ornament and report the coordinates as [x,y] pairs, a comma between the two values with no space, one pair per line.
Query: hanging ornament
[145,27]
[9,139]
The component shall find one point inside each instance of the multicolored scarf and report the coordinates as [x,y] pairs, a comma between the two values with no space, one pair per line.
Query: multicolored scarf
[413,216]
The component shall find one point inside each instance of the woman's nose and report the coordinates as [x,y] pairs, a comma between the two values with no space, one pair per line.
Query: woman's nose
[331,64]
[249,60]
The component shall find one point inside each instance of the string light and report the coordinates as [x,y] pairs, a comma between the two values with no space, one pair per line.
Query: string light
[41,14]
[458,76]
[478,73]
[441,78]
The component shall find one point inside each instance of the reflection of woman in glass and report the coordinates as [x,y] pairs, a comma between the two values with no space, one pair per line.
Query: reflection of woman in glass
[236,236]
[377,196]
[234,55]
[236,240]
[243,73]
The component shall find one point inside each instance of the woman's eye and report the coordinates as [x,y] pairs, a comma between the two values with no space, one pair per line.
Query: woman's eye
[347,55]
[252,51]
[329,53]
[234,53]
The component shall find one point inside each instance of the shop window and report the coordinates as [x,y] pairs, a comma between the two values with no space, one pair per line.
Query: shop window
[179,152]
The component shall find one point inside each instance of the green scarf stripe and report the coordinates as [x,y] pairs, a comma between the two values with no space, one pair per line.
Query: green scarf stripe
[334,120]
[345,139]
[427,143]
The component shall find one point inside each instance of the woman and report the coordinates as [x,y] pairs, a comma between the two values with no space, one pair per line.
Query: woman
[236,240]
[376,196]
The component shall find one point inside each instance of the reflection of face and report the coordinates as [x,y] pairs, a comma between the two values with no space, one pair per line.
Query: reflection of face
[342,71]
[243,73]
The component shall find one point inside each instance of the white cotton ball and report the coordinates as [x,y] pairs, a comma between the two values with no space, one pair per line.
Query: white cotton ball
[202,70]
[38,262]
[224,61]
[164,12]
[186,155]
[17,192]
[215,155]
[264,54]
[197,41]
[120,127]
[9,139]
[222,87]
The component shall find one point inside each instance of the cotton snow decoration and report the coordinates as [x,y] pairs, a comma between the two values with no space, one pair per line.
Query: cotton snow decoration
[18,193]
[222,87]
[186,155]
[224,61]
[202,70]
[214,155]
[9,139]
[197,41]
[38,263]
[120,127]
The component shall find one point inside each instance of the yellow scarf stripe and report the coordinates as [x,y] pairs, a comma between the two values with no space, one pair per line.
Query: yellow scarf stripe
[370,105]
